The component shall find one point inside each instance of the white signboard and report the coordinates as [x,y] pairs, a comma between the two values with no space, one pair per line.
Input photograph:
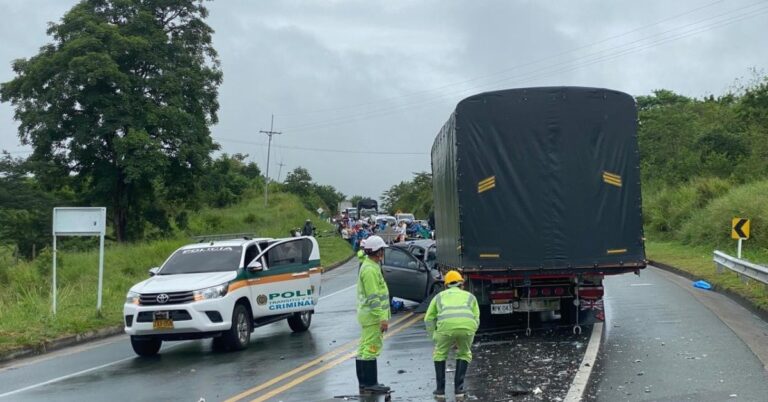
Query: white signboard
[76,221]
[320,211]
[80,221]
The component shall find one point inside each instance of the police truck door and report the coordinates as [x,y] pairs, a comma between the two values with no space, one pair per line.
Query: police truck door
[283,285]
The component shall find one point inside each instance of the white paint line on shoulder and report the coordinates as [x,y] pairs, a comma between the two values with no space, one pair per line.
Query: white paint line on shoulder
[81,372]
[641,284]
[581,380]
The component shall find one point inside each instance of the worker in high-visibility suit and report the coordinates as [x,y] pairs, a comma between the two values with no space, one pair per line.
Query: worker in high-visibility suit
[373,315]
[452,319]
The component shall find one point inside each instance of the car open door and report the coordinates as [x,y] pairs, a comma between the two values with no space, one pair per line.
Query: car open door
[280,276]
[406,277]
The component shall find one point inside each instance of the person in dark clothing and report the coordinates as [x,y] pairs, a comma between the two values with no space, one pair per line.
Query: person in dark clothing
[308,229]
[431,220]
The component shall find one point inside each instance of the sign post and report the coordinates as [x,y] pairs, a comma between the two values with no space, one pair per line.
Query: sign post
[740,232]
[80,221]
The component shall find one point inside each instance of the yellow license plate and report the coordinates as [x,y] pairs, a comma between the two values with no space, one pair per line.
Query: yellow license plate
[162,324]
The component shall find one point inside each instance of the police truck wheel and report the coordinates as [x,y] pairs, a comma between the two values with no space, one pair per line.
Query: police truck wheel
[299,322]
[146,346]
[239,335]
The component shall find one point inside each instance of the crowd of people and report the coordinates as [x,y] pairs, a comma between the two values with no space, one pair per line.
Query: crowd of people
[355,230]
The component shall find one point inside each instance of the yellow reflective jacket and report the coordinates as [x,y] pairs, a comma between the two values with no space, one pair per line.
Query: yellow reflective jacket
[452,309]
[372,294]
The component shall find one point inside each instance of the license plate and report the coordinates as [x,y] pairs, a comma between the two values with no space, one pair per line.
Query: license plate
[162,320]
[502,308]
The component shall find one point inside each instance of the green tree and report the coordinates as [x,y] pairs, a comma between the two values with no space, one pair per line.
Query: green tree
[298,182]
[25,208]
[413,196]
[121,101]
[330,196]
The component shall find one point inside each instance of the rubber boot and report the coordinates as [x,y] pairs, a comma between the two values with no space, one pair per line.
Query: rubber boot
[439,392]
[370,372]
[361,381]
[461,371]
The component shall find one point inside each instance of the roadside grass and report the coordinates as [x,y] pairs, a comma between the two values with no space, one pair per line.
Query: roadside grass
[697,260]
[25,302]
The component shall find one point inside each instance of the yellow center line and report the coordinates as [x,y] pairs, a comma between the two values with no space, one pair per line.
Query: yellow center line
[304,366]
[329,365]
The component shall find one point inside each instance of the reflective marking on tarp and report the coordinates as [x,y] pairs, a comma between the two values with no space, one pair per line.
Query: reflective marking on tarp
[617,251]
[612,179]
[489,255]
[486,184]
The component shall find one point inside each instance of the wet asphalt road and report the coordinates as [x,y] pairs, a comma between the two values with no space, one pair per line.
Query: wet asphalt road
[664,342]
[318,365]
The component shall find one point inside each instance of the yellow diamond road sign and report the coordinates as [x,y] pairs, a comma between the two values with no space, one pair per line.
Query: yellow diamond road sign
[740,228]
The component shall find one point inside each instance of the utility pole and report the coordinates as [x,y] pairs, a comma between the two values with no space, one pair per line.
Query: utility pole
[270,133]
[280,171]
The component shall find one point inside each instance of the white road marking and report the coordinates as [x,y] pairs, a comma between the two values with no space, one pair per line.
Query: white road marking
[81,372]
[580,381]
[641,284]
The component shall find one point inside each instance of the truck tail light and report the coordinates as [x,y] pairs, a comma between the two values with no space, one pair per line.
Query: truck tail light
[592,292]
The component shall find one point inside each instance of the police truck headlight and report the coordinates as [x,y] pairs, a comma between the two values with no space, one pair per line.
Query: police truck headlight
[214,292]
[132,298]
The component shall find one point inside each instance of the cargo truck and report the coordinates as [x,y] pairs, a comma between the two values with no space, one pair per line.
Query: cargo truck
[537,198]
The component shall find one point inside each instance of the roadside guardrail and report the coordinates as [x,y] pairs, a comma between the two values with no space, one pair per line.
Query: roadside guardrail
[745,269]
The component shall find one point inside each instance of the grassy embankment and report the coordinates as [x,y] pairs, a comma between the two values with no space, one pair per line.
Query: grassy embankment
[25,302]
[685,225]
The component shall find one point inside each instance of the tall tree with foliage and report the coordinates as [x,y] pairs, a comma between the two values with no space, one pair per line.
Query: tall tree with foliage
[122,101]
[413,196]
[25,208]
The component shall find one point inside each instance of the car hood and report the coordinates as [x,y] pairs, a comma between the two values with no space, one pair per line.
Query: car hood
[183,282]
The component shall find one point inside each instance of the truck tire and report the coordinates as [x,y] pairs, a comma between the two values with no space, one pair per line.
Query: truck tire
[567,311]
[299,322]
[238,336]
[145,346]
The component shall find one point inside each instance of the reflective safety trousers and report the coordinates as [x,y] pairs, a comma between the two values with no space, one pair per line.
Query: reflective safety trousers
[372,294]
[452,310]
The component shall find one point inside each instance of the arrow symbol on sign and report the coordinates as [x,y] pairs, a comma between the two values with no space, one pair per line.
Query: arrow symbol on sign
[738,228]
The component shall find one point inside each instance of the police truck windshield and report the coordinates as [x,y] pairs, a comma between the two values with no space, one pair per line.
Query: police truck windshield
[203,259]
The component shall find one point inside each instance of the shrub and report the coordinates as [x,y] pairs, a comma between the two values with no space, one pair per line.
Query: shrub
[712,225]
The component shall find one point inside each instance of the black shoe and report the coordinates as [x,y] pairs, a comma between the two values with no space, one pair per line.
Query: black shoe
[439,392]
[370,372]
[461,371]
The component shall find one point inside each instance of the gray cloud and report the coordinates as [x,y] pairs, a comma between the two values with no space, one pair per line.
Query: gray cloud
[371,76]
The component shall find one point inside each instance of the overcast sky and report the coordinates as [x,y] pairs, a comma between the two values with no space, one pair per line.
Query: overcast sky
[377,79]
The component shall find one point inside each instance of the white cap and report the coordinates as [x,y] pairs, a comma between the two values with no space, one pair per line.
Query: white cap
[374,243]
[362,243]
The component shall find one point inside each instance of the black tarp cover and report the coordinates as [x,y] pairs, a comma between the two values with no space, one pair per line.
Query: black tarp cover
[539,178]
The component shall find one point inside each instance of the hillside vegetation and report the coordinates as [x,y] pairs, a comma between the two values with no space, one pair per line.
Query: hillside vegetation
[25,303]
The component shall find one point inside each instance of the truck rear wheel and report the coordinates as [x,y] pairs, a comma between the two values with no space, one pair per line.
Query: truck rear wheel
[299,322]
[239,335]
[146,346]
[567,311]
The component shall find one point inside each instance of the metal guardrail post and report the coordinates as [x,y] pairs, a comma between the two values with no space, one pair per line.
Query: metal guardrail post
[744,269]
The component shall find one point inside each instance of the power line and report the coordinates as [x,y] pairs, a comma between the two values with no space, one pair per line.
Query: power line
[512,68]
[538,73]
[330,150]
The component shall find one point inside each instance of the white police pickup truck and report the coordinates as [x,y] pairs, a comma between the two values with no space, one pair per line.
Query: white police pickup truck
[223,289]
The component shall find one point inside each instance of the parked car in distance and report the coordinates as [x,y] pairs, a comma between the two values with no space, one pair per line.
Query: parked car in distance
[410,271]
[408,218]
